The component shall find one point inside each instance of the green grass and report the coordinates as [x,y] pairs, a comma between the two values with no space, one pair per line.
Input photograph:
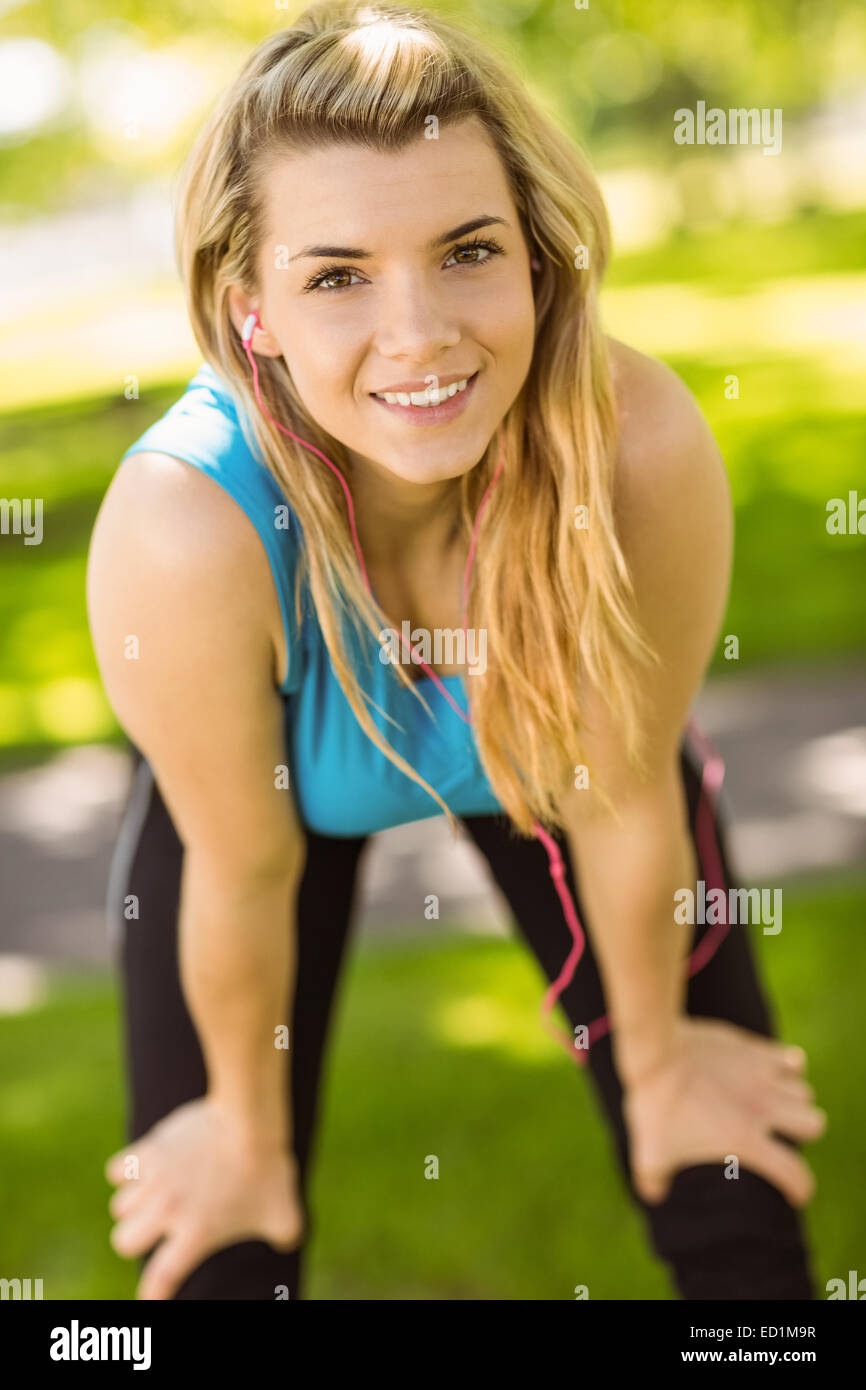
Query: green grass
[437,1050]
[745,255]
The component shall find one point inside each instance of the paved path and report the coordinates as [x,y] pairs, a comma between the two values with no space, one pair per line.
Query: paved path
[794,745]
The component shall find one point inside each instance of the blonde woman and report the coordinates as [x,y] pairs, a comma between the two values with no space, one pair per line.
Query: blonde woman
[410,423]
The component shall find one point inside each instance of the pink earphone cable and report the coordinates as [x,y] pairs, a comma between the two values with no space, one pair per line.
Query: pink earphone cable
[249,329]
[713,770]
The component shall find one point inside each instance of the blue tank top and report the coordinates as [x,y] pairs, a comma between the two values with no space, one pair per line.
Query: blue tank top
[343,784]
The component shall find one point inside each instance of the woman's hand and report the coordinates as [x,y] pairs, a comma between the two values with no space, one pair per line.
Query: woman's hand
[722,1090]
[203,1183]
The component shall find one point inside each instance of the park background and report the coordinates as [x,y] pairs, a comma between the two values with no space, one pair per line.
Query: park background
[727,261]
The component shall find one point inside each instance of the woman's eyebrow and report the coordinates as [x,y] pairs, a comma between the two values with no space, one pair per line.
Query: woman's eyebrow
[356,253]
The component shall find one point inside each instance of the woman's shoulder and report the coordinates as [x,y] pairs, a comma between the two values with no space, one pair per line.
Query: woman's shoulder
[670,471]
[190,504]
[166,537]
[207,428]
[157,497]
[658,414]
[673,507]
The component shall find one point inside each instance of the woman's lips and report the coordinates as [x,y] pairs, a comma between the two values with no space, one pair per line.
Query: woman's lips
[432,414]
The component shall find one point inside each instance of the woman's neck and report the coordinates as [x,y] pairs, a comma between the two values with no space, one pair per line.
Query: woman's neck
[396,518]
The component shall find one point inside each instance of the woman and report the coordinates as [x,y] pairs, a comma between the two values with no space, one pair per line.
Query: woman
[409,423]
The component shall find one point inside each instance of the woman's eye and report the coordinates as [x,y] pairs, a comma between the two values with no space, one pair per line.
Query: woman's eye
[477,251]
[342,277]
[326,279]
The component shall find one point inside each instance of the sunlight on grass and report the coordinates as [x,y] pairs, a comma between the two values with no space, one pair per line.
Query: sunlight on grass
[25,1108]
[818,316]
[479,1021]
[18,719]
[78,348]
[71,709]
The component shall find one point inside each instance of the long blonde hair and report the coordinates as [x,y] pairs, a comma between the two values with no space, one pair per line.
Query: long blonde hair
[370,73]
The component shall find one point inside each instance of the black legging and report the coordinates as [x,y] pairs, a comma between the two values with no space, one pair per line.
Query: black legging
[722,1239]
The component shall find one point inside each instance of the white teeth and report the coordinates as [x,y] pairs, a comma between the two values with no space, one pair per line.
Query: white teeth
[423,398]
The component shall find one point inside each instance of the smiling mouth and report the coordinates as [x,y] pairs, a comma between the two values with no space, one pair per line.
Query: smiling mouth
[423,400]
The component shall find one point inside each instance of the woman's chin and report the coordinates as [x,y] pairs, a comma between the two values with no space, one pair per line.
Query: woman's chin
[432,462]
[431,470]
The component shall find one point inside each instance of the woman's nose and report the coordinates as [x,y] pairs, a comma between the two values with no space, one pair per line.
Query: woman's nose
[415,324]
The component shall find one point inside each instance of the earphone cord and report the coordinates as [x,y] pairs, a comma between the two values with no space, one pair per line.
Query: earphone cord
[713,771]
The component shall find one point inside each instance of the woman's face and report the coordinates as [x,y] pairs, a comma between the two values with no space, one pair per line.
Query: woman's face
[402,273]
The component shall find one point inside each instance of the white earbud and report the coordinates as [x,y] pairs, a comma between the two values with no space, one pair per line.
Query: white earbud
[249,328]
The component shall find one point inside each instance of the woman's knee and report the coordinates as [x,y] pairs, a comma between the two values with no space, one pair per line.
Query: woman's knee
[730,1235]
[248,1270]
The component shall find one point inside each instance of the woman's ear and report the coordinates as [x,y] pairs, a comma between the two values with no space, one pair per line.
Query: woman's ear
[240,307]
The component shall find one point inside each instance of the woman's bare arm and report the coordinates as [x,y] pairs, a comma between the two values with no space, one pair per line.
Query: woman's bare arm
[695,1089]
[182,610]
[674,512]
